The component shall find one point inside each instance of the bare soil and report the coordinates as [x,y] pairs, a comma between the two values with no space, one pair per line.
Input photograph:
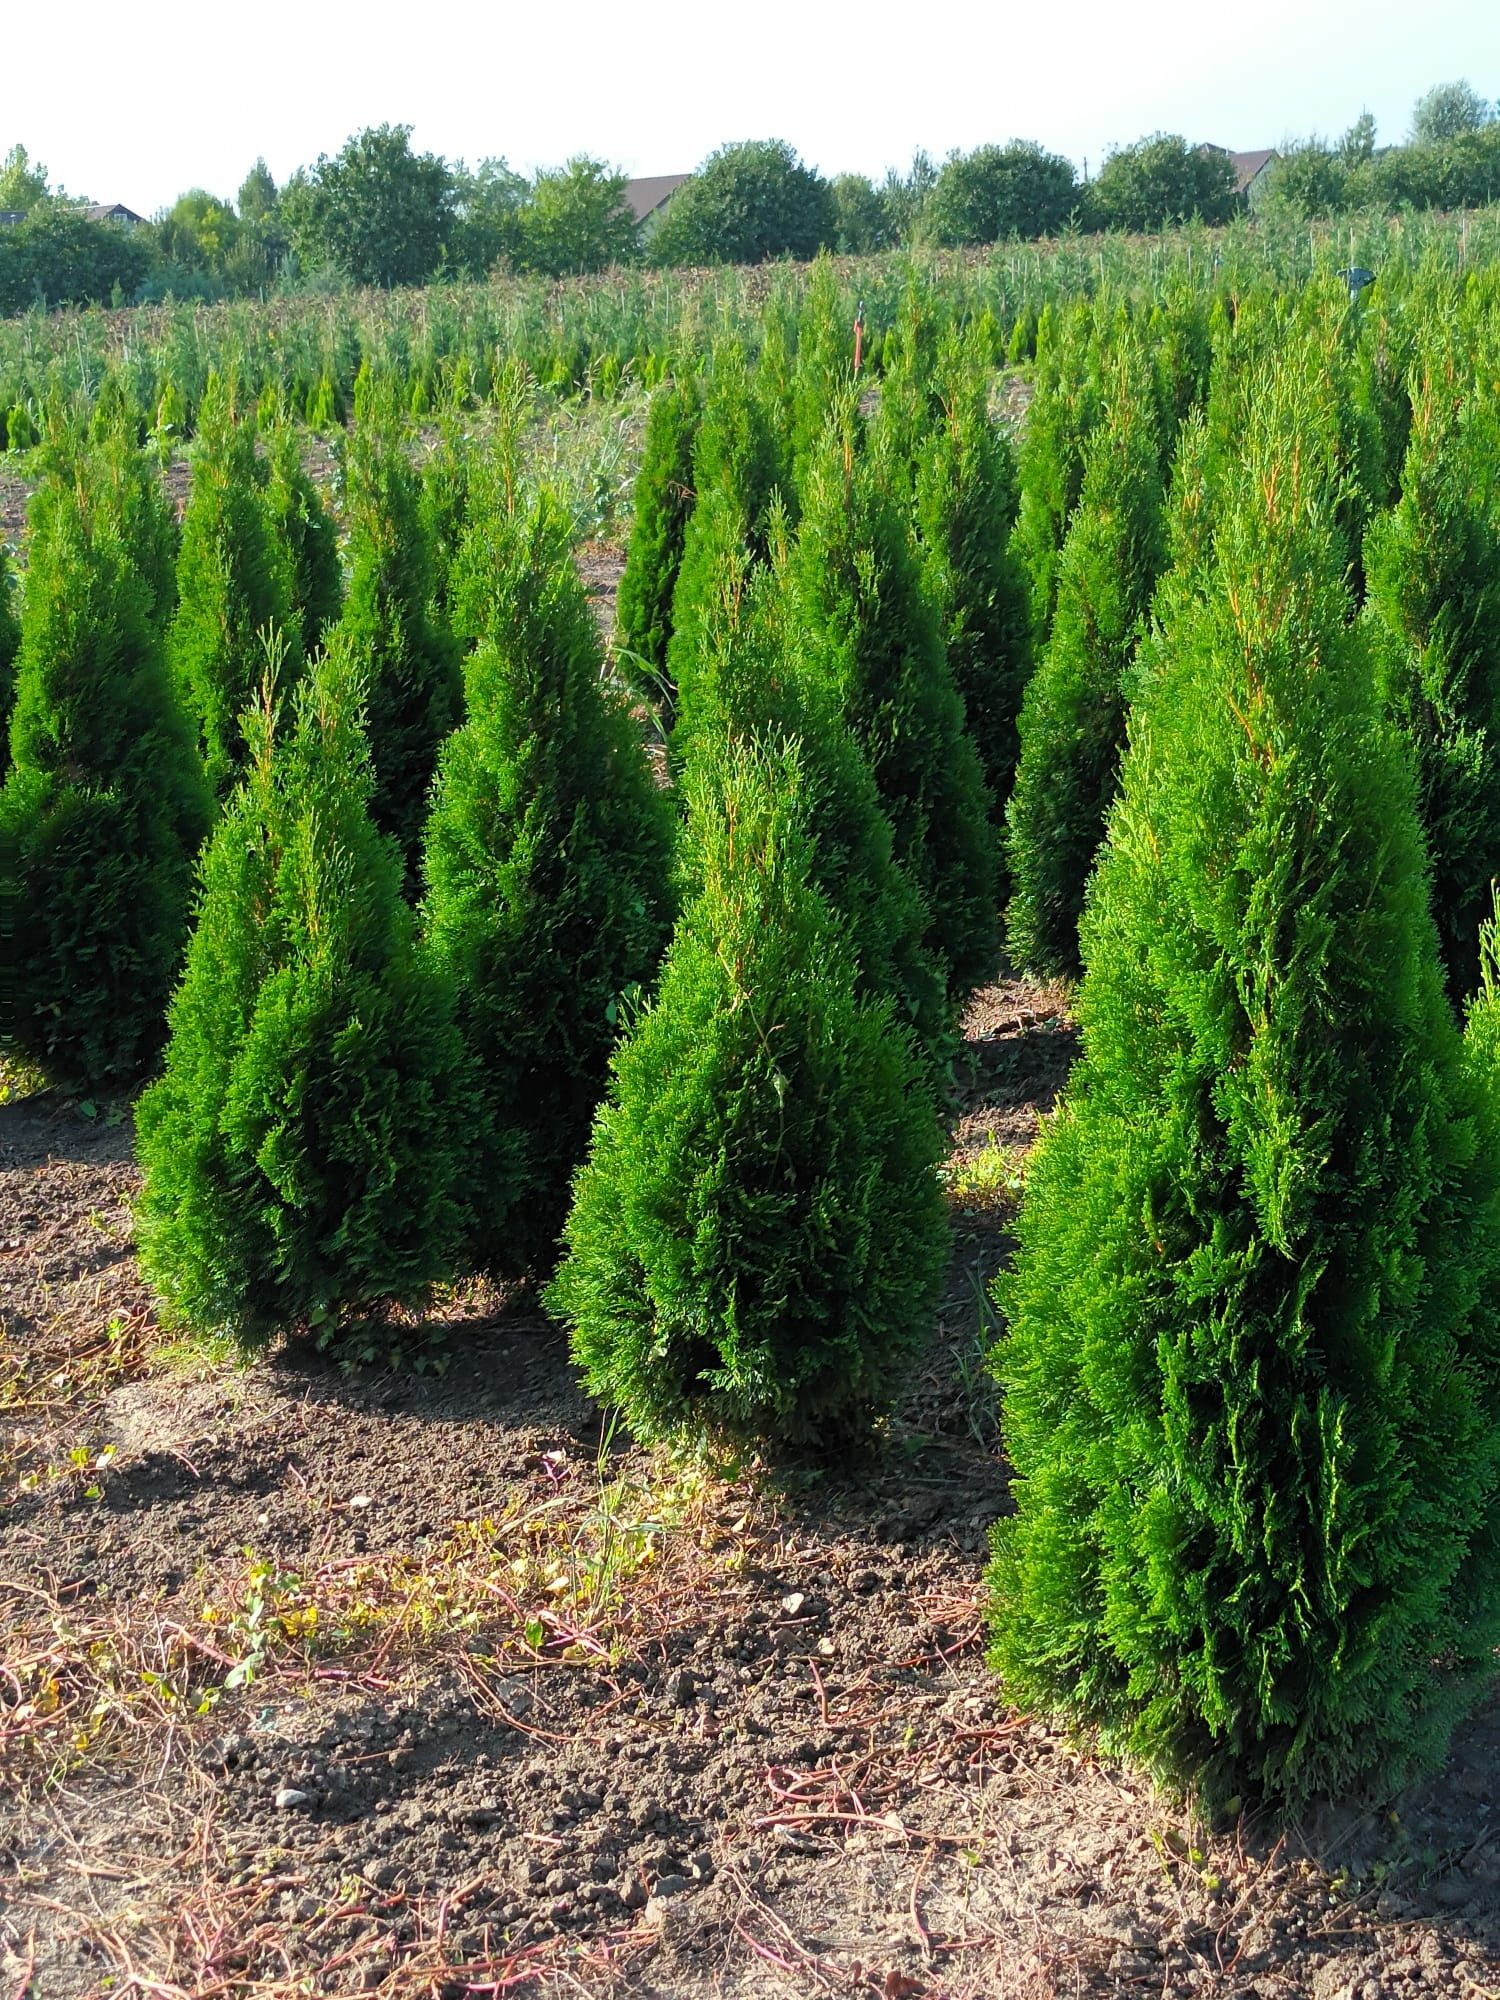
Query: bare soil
[318,1683]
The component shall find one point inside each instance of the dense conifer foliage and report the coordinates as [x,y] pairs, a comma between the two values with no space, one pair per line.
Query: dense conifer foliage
[965,510]
[872,631]
[753,684]
[1072,726]
[103,808]
[757,1239]
[10,644]
[306,1152]
[304,528]
[548,866]
[234,590]
[663,504]
[1433,578]
[414,689]
[1250,1365]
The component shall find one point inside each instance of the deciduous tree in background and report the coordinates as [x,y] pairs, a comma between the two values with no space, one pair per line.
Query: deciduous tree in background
[747,203]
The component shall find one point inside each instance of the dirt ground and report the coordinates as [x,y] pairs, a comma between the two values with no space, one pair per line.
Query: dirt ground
[312,1683]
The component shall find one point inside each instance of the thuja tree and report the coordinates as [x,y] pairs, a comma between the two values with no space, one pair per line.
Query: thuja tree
[305,1149]
[414,690]
[663,502]
[1250,1364]
[126,488]
[965,498]
[870,628]
[446,481]
[234,589]
[1065,407]
[1433,580]
[548,867]
[753,684]
[1072,727]
[10,643]
[103,809]
[757,1239]
[736,469]
[824,370]
[305,530]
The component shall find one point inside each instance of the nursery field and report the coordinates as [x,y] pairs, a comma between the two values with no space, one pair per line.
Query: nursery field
[523,1708]
[750,1133]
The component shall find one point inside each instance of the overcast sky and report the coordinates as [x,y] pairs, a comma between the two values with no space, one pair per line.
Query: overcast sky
[136,104]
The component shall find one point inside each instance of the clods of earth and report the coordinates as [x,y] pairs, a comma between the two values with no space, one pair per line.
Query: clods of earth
[316,1683]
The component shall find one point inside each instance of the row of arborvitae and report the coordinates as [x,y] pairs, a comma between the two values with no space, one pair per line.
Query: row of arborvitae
[124,630]
[1252,1355]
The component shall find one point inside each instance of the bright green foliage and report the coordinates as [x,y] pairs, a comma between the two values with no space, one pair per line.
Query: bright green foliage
[1073,718]
[234,590]
[871,629]
[663,503]
[752,684]
[965,512]
[124,484]
[302,1153]
[735,475]
[414,690]
[10,641]
[1065,408]
[102,812]
[1433,570]
[548,864]
[576,220]
[305,530]
[757,1240]
[824,371]
[447,482]
[1251,1359]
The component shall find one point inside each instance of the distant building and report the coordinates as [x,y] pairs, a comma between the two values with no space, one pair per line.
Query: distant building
[110,211]
[648,200]
[1250,171]
[91,211]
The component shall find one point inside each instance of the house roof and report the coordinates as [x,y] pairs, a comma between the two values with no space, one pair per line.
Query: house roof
[644,197]
[109,211]
[8,216]
[1247,166]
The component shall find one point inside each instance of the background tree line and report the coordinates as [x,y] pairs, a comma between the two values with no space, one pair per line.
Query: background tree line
[379,213]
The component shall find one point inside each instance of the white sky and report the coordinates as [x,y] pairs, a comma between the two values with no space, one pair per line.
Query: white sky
[137,104]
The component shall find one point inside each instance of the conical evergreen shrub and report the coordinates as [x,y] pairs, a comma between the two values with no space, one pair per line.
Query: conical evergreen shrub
[414,689]
[548,864]
[752,686]
[234,589]
[1432,566]
[736,469]
[10,645]
[663,503]
[306,1152]
[447,473]
[1250,1363]
[1065,407]
[873,633]
[965,510]
[305,529]
[757,1240]
[1072,728]
[103,809]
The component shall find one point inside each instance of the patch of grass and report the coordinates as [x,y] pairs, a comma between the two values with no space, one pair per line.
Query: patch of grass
[993,1179]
